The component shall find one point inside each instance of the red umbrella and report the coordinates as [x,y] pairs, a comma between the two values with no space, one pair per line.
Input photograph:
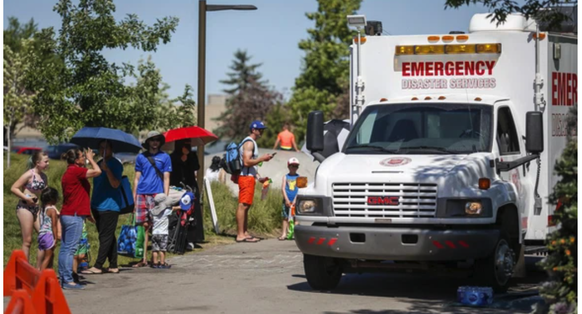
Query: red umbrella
[198,135]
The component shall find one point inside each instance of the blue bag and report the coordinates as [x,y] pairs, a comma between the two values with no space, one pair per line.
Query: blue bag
[232,160]
[126,206]
[127,239]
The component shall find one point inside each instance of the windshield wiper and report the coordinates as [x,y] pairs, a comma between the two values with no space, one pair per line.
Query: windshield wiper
[438,148]
[377,147]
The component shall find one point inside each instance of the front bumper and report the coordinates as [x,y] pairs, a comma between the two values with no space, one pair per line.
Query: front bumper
[402,244]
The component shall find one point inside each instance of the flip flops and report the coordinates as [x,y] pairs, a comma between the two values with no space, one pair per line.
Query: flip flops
[92,271]
[140,264]
[282,238]
[247,240]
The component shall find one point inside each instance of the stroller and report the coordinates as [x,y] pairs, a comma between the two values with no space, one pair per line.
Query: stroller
[179,223]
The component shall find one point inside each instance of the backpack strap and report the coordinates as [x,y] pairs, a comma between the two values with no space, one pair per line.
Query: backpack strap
[153,163]
[242,163]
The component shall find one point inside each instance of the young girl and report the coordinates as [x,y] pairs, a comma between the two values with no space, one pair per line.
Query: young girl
[50,228]
[28,189]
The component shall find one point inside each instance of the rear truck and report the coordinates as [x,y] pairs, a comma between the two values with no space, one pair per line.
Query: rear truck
[449,161]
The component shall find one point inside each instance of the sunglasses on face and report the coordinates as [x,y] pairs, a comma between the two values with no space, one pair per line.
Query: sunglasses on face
[156,139]
[294,166]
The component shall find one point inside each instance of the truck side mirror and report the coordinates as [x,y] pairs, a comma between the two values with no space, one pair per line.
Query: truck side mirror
[315,131]
[534,132]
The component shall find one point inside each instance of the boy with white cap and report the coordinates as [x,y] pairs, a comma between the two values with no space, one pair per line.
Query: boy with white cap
[290,189]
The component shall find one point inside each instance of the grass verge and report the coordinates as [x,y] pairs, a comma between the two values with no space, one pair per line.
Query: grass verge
[264,219]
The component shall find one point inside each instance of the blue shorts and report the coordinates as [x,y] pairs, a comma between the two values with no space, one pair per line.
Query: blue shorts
[286,211]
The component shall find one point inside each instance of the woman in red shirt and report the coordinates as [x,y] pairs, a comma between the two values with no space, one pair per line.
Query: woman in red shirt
[76,207]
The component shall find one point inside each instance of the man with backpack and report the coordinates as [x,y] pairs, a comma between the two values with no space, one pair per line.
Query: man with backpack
[249,156]
[152,176]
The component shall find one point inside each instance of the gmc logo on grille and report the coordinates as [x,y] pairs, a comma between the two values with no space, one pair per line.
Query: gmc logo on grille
[383,200]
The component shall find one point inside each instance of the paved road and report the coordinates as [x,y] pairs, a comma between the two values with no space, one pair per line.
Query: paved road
[263,278]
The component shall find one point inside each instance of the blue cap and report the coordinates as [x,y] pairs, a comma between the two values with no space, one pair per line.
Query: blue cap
[186,200]
[257,125]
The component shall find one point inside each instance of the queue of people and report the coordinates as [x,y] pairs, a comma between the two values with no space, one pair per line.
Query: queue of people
[155,171]
[37,210]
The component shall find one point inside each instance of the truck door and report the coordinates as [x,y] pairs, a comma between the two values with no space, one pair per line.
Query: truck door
[511,149]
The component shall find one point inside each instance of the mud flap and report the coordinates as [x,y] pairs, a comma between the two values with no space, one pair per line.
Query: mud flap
[519,270]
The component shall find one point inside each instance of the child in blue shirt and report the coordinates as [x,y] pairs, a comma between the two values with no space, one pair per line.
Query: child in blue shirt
[289,188]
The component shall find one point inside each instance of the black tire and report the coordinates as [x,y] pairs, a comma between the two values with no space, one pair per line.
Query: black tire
[496,270]
[322,273]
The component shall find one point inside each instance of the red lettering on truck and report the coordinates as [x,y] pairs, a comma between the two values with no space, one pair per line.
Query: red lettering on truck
[564,89]
[449,68]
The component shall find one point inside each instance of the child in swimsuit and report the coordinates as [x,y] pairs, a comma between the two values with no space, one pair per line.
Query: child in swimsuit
[50,231]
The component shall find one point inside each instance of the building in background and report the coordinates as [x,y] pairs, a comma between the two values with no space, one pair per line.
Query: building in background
[215,106]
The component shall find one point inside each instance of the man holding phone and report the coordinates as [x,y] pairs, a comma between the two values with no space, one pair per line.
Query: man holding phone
[249,153]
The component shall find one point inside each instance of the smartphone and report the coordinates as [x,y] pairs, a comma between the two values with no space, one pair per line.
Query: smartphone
[273,154]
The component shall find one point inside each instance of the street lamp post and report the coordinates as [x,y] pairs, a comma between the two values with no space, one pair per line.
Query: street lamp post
[202,9]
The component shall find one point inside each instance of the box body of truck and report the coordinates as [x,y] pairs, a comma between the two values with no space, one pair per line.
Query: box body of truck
[435,119]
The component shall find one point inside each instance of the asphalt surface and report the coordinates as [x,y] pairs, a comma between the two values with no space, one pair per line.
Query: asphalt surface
[268,277]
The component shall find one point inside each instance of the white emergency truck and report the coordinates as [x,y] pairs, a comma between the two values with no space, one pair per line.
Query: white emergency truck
[449,161]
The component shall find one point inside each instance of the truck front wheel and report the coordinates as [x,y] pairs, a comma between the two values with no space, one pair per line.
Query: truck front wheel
[323,273]
[496,270]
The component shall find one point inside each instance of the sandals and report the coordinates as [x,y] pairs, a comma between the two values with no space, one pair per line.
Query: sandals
[92,271]
[248,240]
[140,264]
[282,238]
[161,266]
[113,270]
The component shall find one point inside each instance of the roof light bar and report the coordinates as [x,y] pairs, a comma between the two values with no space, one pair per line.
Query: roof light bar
[447,49]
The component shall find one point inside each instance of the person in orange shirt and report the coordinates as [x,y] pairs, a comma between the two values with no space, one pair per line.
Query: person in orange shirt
[286,139]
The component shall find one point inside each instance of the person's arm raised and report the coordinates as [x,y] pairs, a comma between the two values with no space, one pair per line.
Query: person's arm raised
[112,177]
[96,171]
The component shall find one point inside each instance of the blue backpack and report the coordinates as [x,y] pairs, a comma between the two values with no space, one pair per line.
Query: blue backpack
[232,161]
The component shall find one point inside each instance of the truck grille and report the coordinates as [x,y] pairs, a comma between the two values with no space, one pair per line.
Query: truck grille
[414,200]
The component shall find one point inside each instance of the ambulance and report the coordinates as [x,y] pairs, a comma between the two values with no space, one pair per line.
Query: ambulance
[449,161]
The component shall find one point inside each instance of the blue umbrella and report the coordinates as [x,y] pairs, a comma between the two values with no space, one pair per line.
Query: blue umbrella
[120,141]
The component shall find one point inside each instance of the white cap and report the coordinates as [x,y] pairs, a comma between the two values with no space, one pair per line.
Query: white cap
[293,161]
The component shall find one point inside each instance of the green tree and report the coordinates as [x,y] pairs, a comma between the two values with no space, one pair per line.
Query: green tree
[87,90]
[17,35]
[561,290]
[249,98]
[17,99]
[540,10]
[16,32]
[323,83]
[275,119]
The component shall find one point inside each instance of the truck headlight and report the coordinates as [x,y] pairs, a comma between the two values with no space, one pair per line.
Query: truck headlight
[464,208]
[473,208]
[313,205]
[307,206]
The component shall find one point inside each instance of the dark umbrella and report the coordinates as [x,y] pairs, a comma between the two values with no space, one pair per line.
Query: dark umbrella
[120,141]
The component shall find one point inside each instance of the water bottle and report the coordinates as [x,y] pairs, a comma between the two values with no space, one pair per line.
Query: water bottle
[475,295]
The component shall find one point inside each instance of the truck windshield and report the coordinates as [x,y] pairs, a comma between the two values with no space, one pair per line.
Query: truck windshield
[427,128]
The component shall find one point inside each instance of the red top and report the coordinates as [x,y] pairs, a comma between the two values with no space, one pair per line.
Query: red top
[76,189]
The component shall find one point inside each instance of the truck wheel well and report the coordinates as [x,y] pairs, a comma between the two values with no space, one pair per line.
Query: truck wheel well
[507,220]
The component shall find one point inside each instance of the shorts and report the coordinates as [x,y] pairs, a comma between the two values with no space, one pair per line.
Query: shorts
[145,203]
[286,211]
[159,242]
[246,189]
[46,241]
[83,247]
